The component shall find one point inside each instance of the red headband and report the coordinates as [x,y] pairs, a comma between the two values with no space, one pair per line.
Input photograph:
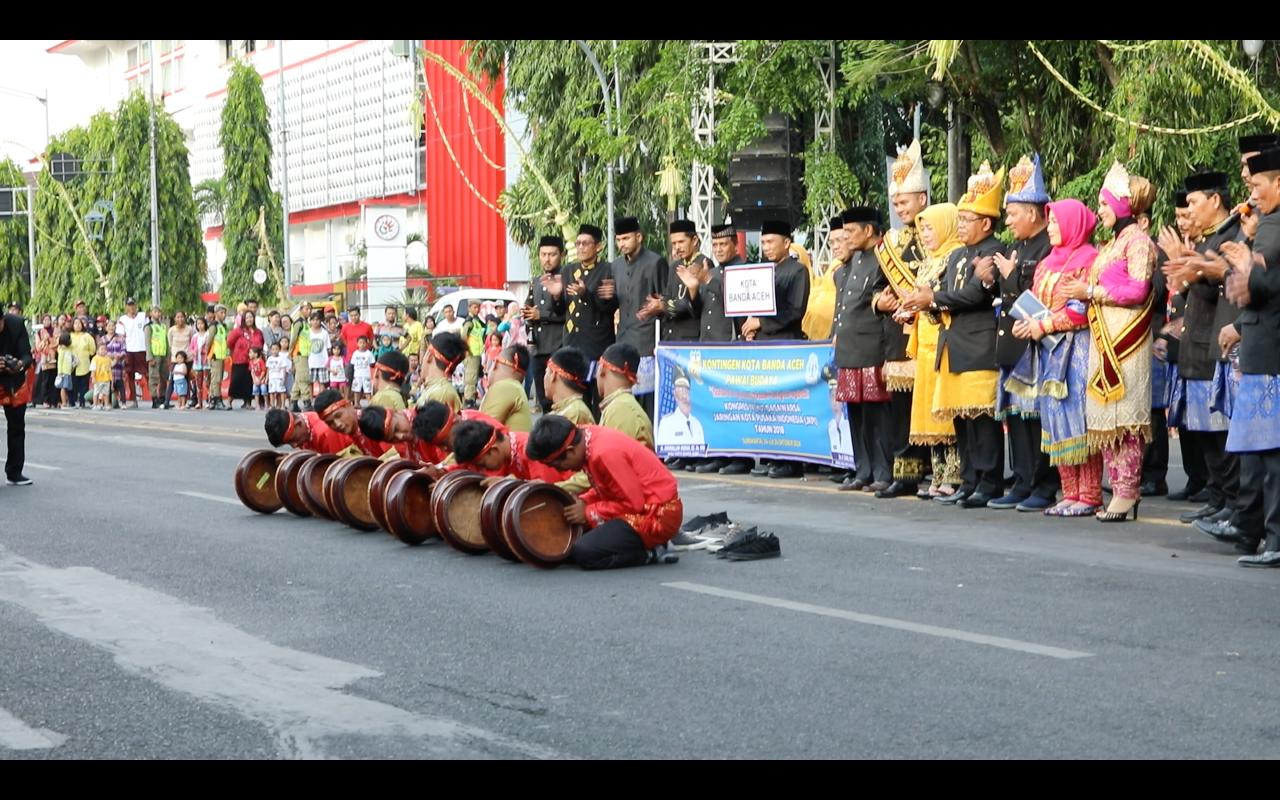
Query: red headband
[288,431]
[489,445]
[511,364]
[624,371]
[387,423]
[332,409]
[393,375]
[556,369]
[559,451]
[442,435]
[436,355]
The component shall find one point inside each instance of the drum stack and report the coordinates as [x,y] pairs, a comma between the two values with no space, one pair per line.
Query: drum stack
[518,520]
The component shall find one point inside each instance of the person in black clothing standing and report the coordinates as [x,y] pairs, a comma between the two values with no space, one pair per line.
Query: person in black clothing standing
[791,295]
[15,368]
[966,359]
[714,326]
[545,313]
[1036,482]
[677,309]
[859,338]
[1155,461]
[639,276]
[587,290]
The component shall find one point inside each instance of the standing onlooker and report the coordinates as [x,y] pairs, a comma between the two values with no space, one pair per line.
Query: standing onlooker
[278,366]
[135,343]
[243,337]
[361,371]
[46,355]
[218,351]
[15,360]
[300,391]
[286,324]
[258,372]
[101,378]
[273,331]
[411,341]
[84,347]
[116,352]
[180,336]
[158,359]
[351,333]
[473,330]
[200,341]
[390,325]
[449,324]
[338,370]
[318,354]
[178,379]
[66,366]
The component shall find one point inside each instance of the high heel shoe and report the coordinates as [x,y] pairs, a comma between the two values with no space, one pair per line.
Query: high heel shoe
[1122,516]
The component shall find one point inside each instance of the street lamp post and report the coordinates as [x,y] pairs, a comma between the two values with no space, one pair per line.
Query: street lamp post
[155,204]
[31,196]
[609,123]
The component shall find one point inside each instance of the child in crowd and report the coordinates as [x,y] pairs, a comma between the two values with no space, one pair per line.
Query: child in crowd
[66,365]
[258,371]
[338,372]
[101,370]
[200,342]
[361,364]
[179,378]
[318,361]
[278,368]
[385,345]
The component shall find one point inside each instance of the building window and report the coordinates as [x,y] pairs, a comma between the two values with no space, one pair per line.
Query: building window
[165,46]
[234,48]
[133,58]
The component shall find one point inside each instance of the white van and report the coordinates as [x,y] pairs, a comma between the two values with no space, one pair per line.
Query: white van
[491,301]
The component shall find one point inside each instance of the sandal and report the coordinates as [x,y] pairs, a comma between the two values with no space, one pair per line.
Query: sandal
[1081,510]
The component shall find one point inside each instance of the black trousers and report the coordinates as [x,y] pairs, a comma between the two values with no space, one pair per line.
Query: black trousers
[43,392]
[910,461]
[981,445]
[1223,468]
[612,545]
[1032,472]
[15,419]
[1193,460]
[1155,462]
[645,401]
[539,373]
[873,440]
[1258,506]
[79,387]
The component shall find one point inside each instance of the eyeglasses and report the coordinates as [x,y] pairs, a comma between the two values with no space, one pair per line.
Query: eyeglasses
[966,220]
[584,243]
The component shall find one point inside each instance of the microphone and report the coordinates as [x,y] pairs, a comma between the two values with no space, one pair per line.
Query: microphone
[1242,210]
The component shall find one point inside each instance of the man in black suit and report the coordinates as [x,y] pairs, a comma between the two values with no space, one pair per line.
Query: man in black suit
[15,363]
[544,312]
[714,326]
[589,298]
[638,276]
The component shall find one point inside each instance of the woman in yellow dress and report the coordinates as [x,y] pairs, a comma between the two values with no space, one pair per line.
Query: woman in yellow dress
[937,227]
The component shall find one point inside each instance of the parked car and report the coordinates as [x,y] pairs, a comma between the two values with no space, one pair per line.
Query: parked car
[491,301]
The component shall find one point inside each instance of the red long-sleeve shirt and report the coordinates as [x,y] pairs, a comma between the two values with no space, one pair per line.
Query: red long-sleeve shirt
[320,437]
[627,480]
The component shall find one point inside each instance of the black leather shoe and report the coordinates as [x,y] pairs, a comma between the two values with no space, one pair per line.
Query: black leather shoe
[1270,558]
[714,465]
[1182,495]
[851,484]
[878,486]
[1201,496]
[786,471]
[976,500]
[1226,532]
[840,477]
[1222,516]
[1154,489]
[736,468]
[1200,513]
[897,489]
[676,464]
[952,499]
[761,471]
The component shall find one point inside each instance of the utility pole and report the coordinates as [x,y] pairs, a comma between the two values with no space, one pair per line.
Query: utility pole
[155,201]
[284,166]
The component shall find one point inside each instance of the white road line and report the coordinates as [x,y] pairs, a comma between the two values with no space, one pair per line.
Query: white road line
[300,697]
[216,498]
[16,735]
[884,622]
[40,466]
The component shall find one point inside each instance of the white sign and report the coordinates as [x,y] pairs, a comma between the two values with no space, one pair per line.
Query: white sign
[259,276]
[384,227]
[749,291]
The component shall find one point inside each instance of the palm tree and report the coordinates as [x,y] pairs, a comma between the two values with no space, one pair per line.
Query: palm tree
[211,198]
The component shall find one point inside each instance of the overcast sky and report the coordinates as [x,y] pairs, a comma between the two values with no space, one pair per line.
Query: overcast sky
[26,67]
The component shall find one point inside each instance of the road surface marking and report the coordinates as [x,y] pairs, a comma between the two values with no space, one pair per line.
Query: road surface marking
[884,622]
[16,735]
[41,466]
[300,697]
[216,498]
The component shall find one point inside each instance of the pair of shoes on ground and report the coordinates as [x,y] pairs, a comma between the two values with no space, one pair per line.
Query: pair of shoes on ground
[748,544]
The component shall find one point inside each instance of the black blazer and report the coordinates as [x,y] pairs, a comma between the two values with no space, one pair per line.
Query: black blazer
[680,317]
[791,289]
[860,340]
[588,320]
[1206,313]
[971,338]
[635,281]
[14,341]
[548,331]
[1031,252]
[714,325]
[1259,322]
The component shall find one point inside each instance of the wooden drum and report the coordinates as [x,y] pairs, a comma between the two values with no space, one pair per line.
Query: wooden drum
[346,490]
[378,487]
[254,480]
[455,506]
[287,486]
[491,516]
[311,484]
[407,506]
[534,526]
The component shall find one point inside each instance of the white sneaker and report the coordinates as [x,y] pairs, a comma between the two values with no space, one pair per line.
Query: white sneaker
[21,480]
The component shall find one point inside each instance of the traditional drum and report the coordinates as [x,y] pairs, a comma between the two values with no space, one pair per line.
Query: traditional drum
[407,506]
[254,481]
[287,482]
[311,483]
[491,516]
[455,506]
[346,489]
[378,487]
[534,526]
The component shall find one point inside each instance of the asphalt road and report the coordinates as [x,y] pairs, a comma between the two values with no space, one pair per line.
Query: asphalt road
[144,613]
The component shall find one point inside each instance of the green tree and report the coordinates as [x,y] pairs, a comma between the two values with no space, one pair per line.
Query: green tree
[246,148]
[14,263]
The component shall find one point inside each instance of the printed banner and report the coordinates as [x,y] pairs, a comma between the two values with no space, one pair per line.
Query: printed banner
[766,400]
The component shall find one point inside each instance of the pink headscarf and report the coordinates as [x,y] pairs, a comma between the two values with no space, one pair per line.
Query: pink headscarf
[1075,224]
[1119,206]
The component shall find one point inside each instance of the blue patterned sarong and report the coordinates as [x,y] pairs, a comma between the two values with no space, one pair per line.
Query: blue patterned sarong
[1199,415]
[1160,382]
[1255,427]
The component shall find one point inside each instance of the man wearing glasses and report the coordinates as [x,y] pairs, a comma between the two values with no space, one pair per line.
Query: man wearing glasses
[591,300]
